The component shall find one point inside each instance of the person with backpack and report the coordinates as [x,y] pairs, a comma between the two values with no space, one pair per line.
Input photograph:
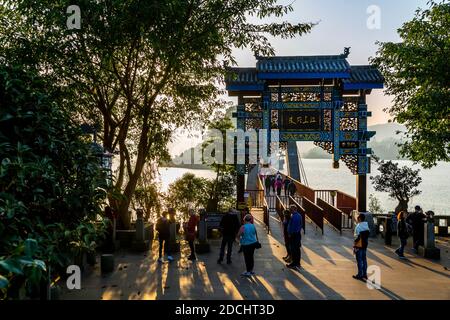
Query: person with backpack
[163,228]
[402,232]
[360,245]
[248,239]
[229,226]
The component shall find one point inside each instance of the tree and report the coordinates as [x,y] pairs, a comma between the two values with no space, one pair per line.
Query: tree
[187,192]
[417,75]
[51,186]
[222,188]
[375,205]
[146,195]
[139,68]
[399,182]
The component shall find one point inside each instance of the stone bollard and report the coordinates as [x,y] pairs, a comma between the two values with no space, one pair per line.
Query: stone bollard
[140,243]
[107,263]
[429,249]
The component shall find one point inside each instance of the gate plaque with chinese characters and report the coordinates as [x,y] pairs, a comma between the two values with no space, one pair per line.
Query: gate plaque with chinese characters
[301,120]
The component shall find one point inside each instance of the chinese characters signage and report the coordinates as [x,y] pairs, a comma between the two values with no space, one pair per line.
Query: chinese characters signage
[301,120]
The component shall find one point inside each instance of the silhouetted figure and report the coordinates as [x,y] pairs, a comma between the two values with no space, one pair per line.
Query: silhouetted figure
[229,226]
[417,220]
[163,228]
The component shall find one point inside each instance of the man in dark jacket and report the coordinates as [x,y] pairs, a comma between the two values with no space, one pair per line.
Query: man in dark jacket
[286,183]
[292,188]
[294,228]
[229,226]
[268,184]
[163,228]
[417,220]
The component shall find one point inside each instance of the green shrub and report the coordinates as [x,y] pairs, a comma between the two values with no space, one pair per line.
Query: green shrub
[51,185]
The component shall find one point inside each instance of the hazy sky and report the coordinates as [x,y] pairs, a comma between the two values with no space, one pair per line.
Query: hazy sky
[341,23]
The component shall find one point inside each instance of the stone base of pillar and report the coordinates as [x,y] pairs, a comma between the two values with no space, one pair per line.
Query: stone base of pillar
[202,247]
[140,246]
[430,253]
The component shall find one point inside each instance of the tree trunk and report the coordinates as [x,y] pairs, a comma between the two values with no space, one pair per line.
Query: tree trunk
[402,206]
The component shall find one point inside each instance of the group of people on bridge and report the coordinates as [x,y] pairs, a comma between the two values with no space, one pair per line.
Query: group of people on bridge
[277,184]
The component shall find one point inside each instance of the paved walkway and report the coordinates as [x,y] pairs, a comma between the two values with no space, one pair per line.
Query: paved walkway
[327,261]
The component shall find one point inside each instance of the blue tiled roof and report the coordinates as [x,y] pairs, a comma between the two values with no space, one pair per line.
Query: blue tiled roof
[303,64]
[304,67]
[242,76]
[364,74]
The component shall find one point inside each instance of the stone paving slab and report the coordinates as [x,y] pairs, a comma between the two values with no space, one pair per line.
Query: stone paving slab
[327,267]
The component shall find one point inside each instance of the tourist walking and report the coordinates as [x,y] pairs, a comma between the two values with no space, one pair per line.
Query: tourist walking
[278,186]
[252,221]
[268,184]
[272,183]
[292,188]
[278,176]
[286,218]
[360,246]
[191,228]
[417,220]
[402,232]
[248,239]
[229,226]
[294,228]
[163,228]
[286,183]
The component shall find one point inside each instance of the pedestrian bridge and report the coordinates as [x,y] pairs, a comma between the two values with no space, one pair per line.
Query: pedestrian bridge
[318,207]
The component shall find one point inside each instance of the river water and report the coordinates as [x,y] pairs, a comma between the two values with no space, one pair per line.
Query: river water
[435,184]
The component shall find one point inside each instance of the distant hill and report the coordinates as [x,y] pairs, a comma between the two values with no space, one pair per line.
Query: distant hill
[383,144]
[387,130]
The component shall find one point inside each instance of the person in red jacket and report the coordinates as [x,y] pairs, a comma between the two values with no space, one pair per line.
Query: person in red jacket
[191,227]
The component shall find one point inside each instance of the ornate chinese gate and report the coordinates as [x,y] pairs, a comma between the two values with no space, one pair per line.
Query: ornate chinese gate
[309,98]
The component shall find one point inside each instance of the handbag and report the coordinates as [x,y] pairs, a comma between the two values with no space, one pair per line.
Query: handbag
[358,243]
